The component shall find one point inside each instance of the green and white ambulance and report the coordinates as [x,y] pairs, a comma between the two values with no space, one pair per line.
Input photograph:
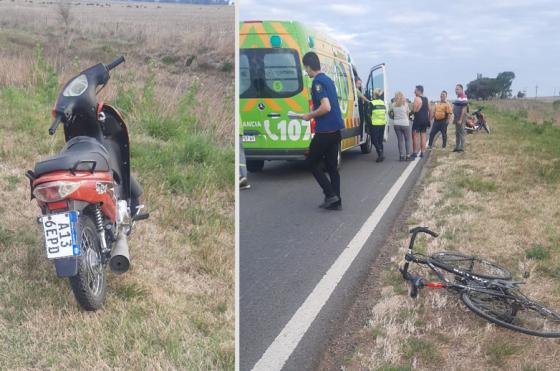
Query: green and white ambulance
[273,83]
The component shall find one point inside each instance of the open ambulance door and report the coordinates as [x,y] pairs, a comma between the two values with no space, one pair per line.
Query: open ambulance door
[377,78]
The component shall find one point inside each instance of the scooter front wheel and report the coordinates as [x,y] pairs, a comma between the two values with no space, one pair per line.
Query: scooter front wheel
[90,284]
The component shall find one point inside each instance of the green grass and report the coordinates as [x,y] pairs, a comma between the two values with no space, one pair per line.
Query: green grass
[499,350]
[393,278]
[170,59]
[537,252]
[539,141]
[421,348]
[12,182]
[475,183]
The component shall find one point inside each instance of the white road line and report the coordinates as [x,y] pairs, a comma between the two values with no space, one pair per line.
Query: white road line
[286,342]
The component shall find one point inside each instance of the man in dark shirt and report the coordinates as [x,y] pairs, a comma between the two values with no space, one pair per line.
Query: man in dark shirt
[460,117]
[326,141]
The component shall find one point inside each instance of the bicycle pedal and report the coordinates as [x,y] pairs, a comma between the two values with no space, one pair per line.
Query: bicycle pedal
[413,291]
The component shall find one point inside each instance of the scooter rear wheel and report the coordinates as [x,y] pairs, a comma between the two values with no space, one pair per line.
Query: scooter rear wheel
[90,284]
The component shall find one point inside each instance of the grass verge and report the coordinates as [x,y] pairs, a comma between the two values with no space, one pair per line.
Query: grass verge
[498,200]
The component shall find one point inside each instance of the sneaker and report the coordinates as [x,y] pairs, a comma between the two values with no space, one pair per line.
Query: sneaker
[421,155]
[429,148]
[336,206]
[380,158]
[413,157]
[244,183]
[402,158]
[329,201]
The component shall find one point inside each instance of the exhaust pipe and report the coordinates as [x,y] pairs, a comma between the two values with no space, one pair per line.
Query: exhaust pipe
[120,258]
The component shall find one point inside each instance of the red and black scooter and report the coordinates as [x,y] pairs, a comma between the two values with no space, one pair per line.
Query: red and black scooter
[88,199]
[476,122]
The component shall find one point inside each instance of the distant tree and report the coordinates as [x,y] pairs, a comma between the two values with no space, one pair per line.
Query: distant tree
[486,87]
[482,88]
[504,80]
[520,94]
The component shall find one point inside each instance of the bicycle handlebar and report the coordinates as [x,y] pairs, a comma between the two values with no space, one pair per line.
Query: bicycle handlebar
[114,63]
[417,230]
[408,257]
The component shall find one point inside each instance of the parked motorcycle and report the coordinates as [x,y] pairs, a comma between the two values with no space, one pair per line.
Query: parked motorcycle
[476,122]
[88,199]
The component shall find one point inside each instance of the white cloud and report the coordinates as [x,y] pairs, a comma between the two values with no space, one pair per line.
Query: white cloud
[413,18]
[418,39]
[348,9]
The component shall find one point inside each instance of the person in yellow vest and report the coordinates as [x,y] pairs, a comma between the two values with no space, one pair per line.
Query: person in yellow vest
[378,122]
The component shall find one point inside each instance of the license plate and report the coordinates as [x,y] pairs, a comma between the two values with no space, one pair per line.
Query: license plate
[249,138]
[60,235]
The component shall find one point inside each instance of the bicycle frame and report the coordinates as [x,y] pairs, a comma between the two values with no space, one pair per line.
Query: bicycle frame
[514,311]
[417,282]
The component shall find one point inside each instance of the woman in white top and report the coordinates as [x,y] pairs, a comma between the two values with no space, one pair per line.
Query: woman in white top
[399,112]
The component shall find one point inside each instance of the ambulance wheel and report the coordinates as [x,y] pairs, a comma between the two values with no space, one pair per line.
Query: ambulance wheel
[367,145]
[255,166]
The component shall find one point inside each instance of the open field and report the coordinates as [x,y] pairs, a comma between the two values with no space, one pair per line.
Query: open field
[175,308]
[543,110]
[185,45]
[499,200]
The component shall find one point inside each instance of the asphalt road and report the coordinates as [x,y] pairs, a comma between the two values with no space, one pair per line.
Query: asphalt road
[287,244]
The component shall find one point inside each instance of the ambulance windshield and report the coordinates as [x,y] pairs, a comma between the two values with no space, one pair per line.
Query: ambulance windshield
[269,73]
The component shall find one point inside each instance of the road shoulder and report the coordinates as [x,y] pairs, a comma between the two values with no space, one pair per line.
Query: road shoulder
[341,348]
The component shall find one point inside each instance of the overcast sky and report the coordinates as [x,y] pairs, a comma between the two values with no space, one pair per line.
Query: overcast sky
[436,43]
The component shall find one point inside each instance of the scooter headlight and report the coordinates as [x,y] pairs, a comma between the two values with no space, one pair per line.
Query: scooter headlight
[55,191]
[76,87]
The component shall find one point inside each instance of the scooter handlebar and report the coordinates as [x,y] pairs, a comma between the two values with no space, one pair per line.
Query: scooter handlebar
[114,63]
[54,125]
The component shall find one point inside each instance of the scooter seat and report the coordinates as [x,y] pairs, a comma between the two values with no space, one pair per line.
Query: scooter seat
[77,149]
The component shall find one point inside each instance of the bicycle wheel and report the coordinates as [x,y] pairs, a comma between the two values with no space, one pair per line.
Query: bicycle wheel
[514,311]
[473,265]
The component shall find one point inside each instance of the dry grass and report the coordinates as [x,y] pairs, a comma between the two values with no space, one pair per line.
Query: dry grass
[537,111]
[175,308]
[499,200]
[184,43]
